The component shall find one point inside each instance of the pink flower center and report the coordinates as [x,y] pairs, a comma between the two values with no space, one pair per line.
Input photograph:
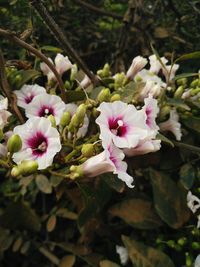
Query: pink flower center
[38,143]
[45,111]
[148,113]
[29,98]
[117,126]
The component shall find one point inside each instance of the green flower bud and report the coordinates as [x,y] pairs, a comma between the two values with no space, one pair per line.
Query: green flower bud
[182,81]
[115,97]
[76,172]
[74,124]
[188,260]
[18,78]
[195,91]
[194,83]
[67,85]
[27,167]
[164,112]
[196,232]
[182,241]
[1,135]
[65,120]
[52,120]
[196,245]
[95,113]
[105,72]
[14,143]
[171,243]
[179,91]
[74,71]
[104,95]
[87,150]
[120,79]
[80,112]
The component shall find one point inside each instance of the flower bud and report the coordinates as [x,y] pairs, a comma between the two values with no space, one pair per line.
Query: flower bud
[182,81]
[115,97]
[164,112]
[67,85]
[188,259]
[182,241]
[76,172]
[179,91]
[171,243]
[52,120]
[80,112]
[87,150]
[196,245]
[120,79]
[14,143]
[195,91]
[27,167]
[104,95]
[1,135]
[74,124]
[74,71]
[194,83]
[65,120]
[105,72]
[95,113]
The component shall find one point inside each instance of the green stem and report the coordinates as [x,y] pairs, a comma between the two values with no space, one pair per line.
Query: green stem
[192,148]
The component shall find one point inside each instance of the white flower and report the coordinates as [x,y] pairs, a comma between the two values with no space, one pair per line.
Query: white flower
[62,64]
[150,88]
[151,109]
[4,114]
[137,65]
[155,65]
[123,254]
[198,222]
[27,93]
[40,140]
[193,202]
[110,160]
[197,261]
[172,125]
[145,76]
[170,71]
[3,145]
[122,124]
[143,148]
[71,108]
[85,82]
[45,105]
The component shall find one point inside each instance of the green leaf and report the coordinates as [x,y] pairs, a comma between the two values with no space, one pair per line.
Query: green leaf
[130,91]
[144,256]
[164,139]
[187,175]
[185,75]
[19,215]
[26,76]
[192,123]
[169,199]
[107,263]
[73,96]
[139,213]
[94,93]
[113,182]
[50,48]
[194,55]
[43,184]
[178,103]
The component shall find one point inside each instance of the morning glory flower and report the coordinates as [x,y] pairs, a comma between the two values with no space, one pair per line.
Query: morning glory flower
[150,88]
[27,93]
[110,160]
[40,140]
[142,148]
[172,125]
[123,254]
[155,65]
[145,76]
[62,64]
[45,105]
[197,261]
[122,124]
[193,202]
[4,114]
[137,65]
[170,71]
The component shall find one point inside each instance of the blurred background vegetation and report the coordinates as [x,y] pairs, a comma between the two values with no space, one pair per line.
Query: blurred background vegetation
[109,30]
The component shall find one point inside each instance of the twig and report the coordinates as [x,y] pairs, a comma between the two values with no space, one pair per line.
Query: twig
[6,88]
[11,36]
[98,10]
[61,38]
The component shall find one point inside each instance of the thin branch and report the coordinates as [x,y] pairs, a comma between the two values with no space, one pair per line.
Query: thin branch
[11,36]
[7,90]
[193,149]
[61,38]
[98,10]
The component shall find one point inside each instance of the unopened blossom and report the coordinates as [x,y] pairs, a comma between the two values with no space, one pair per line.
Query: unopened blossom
[110,160]
[137,65]
[71,108]
[27,93]
[40,140]
[142,148]
[151,109]
[150,88]
[85,82]
[123,254]
[121,123]
[193,202]
[197,261]
[155,65]
[45,105]
[4,114]
[145,76]
[172,125]
[170,71]
[62,64]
